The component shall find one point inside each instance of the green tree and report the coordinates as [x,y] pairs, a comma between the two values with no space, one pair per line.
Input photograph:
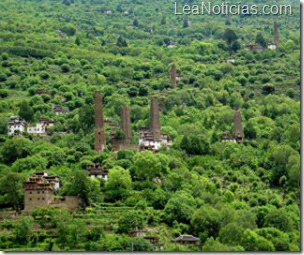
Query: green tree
[236,46]
[86,118]
[231,234]
[121,42]
[279,219]
[147,165]
[119,183]
[77,41]
[260,40]
[78,184]
[279,239]
[207,219]
[229,36]
[16,148]
[25,111]
[268,89]
[180,207]
[214,245]
[129,221]
[22,230]
[251,241]
[11,187]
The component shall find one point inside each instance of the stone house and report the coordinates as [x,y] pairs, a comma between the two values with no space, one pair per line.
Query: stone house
[39,192]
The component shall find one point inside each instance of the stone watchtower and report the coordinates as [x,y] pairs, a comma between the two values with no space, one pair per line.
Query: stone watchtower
[276,33]
[154,120]
[173,76]
[238,130]
[100,137]
[125,123]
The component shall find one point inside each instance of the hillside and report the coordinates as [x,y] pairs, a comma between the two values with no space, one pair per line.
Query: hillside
[232,196]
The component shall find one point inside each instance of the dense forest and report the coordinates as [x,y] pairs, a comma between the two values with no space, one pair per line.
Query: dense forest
[232,196]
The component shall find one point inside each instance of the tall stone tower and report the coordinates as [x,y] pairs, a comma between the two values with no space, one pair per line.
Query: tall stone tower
[100,137]
[276,33]
[125,123]
[173,76]
[154,119]
[238,130]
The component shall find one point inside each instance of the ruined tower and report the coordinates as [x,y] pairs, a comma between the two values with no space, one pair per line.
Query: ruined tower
[173,76]
[276,33]
[238,130]
[100,137]
[125,123]
[154,119]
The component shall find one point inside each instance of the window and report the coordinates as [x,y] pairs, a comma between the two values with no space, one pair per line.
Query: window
[30,192]
[38,198]
[43,192]
[43,198]
[30,199]
[38,192]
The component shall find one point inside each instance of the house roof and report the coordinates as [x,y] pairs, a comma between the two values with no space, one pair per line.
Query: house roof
[187,238]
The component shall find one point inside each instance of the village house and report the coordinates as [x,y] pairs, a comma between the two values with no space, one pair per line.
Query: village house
[152,139]
[147,141]
[255,47]
[271,46]
[187,240]
[139,232]
[41,127]
[16,125]
[95,170]
[230,60]
[59,110]
[39,192]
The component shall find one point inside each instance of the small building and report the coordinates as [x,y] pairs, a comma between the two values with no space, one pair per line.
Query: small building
[271,46]
[16,125]
[227,137]
[52,179]
[230,60]
[187,240]
[39,192]
[41,91]
[59,110]
[255,47]
[171,44]
[179,77]
[95,170]
[41,127]
[148,142]
[139,232]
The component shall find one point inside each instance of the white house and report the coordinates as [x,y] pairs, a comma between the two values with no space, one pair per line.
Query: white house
[16,125]
[40,127]
[230,60]
[272,46]
[146,141]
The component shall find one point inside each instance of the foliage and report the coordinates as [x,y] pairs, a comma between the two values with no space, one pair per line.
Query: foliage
[234,197]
